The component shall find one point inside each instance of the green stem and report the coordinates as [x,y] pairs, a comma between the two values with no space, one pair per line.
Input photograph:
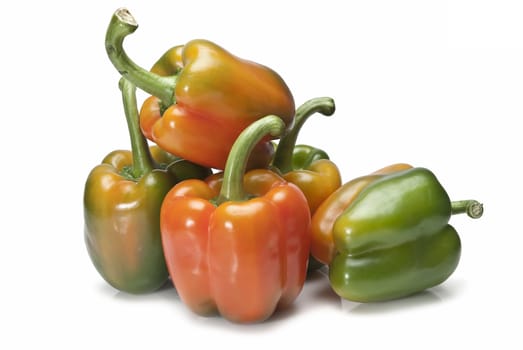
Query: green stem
[142,159]
[122,24]
[472,208]
[232,186]
[283,155]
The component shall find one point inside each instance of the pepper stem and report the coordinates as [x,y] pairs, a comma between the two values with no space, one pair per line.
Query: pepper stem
[142,159]
[122,24]
[283,155]
[232,186]
[472,208]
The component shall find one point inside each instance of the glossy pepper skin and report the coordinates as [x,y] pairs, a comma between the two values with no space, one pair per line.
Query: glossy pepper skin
[242,251]
[317,177]
[122,201]
[306,166]
[304,155]
[210,98]
[395,238]
[322,241]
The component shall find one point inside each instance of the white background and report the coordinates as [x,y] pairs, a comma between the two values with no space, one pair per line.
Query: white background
[432,83]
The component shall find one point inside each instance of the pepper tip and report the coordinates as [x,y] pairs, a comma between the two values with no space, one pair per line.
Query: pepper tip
[125,16]
[475,210]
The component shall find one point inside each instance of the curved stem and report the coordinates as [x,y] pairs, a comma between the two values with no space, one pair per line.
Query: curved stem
[283,155]
[122,24]
[472,208]
[142,159]
[232,186]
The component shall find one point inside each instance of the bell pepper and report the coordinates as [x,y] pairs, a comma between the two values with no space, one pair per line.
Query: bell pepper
[122,201]
[322,242]
[395,239]
[306,166]
[241,252]
[198,112]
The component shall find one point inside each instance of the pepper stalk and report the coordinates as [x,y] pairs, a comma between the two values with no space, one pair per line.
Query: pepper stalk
[232,186]
[471,207]
[284,152]
[143,162]
[122,24]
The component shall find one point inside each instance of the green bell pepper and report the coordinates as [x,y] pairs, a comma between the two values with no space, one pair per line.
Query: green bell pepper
[395,240]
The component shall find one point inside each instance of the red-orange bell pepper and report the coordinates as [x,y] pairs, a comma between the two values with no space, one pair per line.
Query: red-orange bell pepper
[209,98]
[241,252]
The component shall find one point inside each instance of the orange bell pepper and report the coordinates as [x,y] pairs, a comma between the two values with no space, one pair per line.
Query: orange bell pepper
[210,96]
[242,251]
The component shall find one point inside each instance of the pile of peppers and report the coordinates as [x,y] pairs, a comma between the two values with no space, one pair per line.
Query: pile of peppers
[217,197]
